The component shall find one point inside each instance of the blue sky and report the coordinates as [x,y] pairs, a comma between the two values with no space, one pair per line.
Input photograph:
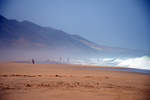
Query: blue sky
[118,23]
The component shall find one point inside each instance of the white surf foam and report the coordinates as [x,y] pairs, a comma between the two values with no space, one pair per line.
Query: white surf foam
[138,62]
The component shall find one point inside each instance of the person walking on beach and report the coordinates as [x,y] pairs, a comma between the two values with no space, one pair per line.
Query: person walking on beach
[33,61]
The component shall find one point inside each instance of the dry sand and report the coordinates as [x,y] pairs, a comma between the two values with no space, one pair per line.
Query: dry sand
[69,82]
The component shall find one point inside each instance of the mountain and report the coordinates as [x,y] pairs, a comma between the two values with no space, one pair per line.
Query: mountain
[27,39]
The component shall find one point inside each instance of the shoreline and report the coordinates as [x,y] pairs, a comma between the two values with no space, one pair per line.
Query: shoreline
[94,67]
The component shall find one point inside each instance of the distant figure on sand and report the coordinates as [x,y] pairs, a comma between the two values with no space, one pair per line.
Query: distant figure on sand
[33,61]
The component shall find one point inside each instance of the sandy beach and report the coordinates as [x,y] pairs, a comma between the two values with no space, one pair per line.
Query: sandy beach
[19,81]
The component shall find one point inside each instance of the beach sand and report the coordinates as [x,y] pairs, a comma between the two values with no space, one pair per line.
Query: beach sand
[19,81]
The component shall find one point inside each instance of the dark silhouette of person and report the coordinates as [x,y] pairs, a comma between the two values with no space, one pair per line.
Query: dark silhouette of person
[33,61]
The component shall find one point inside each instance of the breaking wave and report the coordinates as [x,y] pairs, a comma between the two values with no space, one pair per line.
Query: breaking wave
[138,62]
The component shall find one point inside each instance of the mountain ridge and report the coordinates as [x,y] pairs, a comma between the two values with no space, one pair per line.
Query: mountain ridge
[28,36]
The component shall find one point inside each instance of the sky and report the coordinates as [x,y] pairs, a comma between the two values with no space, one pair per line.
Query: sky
[116,23]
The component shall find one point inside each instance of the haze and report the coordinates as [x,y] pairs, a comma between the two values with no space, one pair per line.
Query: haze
[118,23]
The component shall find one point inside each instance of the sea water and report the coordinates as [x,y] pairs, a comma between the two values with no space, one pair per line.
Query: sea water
[135,64]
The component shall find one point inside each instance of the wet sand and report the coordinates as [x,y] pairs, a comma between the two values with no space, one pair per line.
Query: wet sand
[20,81]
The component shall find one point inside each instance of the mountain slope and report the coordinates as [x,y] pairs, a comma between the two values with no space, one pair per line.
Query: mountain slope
[27,39]
[27,35]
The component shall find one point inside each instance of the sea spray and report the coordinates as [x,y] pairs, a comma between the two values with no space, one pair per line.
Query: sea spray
[138,62]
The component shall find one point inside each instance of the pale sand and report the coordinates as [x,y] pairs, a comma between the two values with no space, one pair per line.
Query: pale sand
[69,82]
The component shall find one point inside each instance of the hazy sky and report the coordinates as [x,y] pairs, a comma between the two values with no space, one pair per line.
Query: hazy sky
[119,23]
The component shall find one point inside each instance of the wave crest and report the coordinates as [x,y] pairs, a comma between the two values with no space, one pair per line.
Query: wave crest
[138,62]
